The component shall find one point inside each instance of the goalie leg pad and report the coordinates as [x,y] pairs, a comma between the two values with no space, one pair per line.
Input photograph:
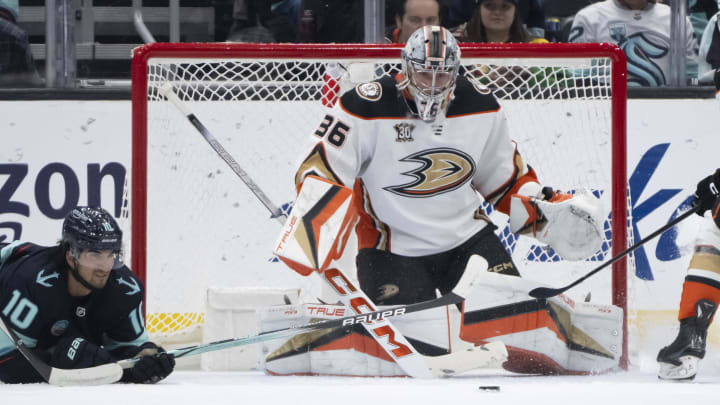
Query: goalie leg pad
[550,336]
[347,351]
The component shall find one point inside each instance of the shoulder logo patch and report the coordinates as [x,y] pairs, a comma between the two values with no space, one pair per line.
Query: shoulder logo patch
[371,91]
[132,284]
[43,279]
[441,170]
[482,89]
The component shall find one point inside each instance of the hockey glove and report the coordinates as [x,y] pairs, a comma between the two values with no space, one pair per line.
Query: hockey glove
[531,220]
[707,192]
[73,352]
[571,225]
[154,364]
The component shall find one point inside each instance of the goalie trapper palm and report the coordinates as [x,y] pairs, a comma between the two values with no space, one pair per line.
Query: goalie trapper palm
[573,227]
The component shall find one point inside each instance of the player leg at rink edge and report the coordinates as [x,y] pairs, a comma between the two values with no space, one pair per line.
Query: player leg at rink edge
[701,290]
[75,306]
[548,336]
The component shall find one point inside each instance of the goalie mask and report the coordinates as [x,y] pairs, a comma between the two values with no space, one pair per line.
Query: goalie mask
[430,63]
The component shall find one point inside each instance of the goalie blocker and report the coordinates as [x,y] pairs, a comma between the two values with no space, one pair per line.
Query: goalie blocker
[548,336]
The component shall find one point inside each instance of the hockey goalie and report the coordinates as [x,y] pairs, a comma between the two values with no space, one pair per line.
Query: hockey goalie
[405,162]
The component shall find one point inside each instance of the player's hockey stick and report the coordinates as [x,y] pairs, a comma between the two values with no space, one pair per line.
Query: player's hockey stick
[105,374]
[453,363]
[413,363]
[547,292]
[480,356]
[167,90]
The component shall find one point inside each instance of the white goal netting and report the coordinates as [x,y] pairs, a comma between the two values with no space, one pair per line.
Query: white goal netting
[205,228]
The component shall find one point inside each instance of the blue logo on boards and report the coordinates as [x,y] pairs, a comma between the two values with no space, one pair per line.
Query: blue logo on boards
[666,249]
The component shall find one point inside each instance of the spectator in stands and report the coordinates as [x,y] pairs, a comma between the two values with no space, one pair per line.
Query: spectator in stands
[700,12]
[265,21]
[17,67]
[641,28]
[497,21]
[411,15]
[331,21]
[246,25]
[709,63]
[530,12]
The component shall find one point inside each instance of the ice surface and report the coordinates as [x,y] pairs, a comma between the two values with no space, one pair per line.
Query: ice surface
[251,388]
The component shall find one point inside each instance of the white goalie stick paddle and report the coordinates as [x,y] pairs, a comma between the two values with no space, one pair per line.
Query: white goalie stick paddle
[397,346]
[105,374]
[387,336]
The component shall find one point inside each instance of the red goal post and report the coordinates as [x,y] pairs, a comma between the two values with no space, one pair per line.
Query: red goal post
[220,79]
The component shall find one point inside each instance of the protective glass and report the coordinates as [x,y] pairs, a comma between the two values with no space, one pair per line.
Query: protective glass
[102,259]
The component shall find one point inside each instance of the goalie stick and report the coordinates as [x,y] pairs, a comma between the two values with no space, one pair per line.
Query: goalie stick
[109,373]
[167,90]
[547,292]
[387,336]
[453,363]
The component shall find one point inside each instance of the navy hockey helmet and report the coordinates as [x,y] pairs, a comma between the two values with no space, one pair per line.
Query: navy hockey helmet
[92,228]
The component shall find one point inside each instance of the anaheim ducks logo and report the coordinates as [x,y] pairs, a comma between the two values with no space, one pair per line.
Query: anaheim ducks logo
[441,170]
[369,91]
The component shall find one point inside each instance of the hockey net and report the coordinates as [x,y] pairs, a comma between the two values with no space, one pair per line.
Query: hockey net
[196,225]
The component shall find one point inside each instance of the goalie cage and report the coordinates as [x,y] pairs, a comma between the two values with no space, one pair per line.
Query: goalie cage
[196,225]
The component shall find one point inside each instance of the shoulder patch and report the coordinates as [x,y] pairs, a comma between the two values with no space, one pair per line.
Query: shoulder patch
[125,281]
[377,99]
[371,91]
[479,87]
[45,279]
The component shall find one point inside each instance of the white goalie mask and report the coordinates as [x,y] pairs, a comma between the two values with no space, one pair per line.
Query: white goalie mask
[430,64]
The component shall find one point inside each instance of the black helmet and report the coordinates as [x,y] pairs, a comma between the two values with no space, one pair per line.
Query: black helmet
[91,228]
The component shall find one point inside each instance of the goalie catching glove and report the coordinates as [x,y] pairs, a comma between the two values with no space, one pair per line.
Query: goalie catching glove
[571,225]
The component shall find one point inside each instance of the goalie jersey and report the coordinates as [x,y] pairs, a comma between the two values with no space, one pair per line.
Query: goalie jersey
[643,35]
[416,184]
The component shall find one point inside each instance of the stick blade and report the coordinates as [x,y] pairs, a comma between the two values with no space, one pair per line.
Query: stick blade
[483,356]
[545,292]
[99,375]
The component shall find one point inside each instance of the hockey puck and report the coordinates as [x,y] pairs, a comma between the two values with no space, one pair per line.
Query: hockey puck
[493,388]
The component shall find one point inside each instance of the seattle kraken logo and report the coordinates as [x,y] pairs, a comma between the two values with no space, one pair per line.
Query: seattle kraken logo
[642,51]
